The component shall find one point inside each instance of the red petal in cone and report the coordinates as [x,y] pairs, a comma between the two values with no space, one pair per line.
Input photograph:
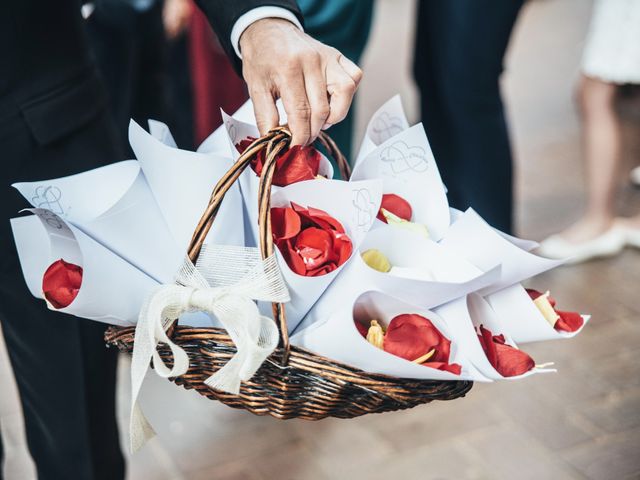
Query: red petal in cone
[569,321]
[362,329]
[285,223]
[314,245]
[397,205]
[507,360]
[410,336]
[61,283]
[295,165]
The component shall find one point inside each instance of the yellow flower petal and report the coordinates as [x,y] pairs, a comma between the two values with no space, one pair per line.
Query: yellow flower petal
[402,223]
[547,311]
[375,335]
[425,357]
[376,260]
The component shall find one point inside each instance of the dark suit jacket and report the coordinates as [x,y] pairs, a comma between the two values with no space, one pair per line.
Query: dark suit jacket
[51,95]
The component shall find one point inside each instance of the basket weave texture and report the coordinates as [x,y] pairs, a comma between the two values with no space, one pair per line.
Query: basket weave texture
[293,382]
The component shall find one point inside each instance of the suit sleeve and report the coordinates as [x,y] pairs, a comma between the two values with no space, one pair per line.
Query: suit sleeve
[223,14]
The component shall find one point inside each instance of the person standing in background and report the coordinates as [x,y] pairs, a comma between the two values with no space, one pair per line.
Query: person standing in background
[611,59]
[459,52]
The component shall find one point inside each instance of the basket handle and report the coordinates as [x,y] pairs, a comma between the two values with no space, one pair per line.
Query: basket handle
[273,143]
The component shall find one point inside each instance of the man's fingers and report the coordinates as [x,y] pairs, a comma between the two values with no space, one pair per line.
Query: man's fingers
[316,87]
[296,104]
[264,105]
[341,85]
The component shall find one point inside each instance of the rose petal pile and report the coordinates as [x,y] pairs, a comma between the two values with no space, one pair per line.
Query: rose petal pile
[395,204]
[566,321]
[312,242]
[295,165]
[412,336]
[507,360]
[61,283]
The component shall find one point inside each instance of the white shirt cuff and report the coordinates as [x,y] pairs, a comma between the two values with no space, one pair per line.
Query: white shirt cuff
[258,14]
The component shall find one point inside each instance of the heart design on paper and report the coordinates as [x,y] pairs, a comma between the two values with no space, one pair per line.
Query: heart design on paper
[365,209]
[232,131]
[402,158]
[48,197]
[384,127]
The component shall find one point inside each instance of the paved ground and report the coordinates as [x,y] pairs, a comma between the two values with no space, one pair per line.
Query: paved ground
[582,423]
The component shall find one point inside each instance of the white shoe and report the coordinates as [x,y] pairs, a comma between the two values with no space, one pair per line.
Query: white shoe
[608,244]
[634,176]
[631,235]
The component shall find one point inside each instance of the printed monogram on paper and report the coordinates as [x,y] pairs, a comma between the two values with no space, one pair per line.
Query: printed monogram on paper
[384,127]
[365,208]
[48,197]
[53,220]
[402,158]
[232,131]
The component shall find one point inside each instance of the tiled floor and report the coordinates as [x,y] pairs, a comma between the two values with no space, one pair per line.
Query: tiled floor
[581,423]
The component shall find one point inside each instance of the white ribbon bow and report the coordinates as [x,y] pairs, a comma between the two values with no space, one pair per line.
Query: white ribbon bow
[225,283]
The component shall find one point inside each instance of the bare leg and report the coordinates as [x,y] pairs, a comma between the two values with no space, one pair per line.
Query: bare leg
[601,142]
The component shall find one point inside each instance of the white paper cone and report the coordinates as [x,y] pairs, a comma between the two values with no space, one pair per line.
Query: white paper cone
[522,319]
[112,289]
[113,205]
[475,240]
[353,204]
[454,276]
[181,182]
[388,121]
[337,338]
[463,316]
[407,168]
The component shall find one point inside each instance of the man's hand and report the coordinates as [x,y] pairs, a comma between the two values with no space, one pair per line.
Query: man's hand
[316,82]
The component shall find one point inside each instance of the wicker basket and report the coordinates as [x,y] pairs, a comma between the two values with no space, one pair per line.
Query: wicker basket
[293,382]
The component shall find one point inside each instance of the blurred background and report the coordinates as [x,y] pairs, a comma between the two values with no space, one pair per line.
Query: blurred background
[581,423]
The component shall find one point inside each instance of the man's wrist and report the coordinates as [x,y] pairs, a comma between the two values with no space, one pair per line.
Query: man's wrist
[253,16]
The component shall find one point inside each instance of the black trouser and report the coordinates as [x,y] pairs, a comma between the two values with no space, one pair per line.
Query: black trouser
[65,375]
[460,47]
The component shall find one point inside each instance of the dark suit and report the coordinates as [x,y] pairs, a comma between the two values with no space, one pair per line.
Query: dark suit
[459,51]
[54,122]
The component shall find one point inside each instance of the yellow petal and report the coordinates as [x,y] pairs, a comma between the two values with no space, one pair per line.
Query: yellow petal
[396,221]
[376,260]
[547,311]
[375,335]
[425,357]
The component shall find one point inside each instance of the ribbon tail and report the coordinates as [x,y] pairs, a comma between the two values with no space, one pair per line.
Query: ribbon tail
[140,430]
[227,379]
[260,349]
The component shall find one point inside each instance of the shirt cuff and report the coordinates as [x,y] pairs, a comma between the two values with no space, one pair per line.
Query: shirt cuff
[256,14]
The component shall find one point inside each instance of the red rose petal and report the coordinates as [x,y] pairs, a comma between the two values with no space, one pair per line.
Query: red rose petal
[285,223]
[362,329]
[410,336]
[314,246]
[507,360]
[296,165]
[397,205]
[61,283]
[569,321]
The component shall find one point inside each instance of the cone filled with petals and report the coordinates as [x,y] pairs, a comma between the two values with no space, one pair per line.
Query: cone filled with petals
[312,242]
[414,338]
[560,320]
